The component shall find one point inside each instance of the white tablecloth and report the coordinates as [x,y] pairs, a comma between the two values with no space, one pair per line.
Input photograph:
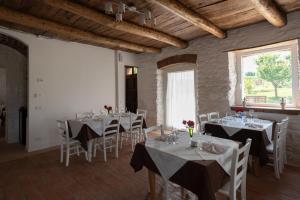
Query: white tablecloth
[232,125]
[97,124]
[169,158]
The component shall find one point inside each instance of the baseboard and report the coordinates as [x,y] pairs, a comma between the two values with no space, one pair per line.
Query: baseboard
[43,150]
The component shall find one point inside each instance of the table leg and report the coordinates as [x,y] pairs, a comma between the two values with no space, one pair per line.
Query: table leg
[151,177]
[256,166]
[90,148]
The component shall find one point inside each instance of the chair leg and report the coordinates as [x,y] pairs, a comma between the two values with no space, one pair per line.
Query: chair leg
[233,195]
[104,150]
[77,150]
[111,144]
[121,140]
[95,149]
[243,189]
[276,169]
[132,141]
[86,155]
[67,155]
[117,144]
[166,190]
[90,149]
[61,152]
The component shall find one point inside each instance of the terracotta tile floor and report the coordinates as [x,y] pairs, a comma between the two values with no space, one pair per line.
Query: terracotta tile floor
[42,177]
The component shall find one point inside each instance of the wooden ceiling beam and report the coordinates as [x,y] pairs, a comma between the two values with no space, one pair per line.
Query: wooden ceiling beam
[270,11]
[110,22]
[191,16]
[26,20]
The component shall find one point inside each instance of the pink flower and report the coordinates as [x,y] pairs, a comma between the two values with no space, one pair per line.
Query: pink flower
[184,122]
[191,123]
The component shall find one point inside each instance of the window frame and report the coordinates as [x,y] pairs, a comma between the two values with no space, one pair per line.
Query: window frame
[289,45]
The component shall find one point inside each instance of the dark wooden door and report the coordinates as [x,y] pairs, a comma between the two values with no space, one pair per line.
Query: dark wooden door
[131,89]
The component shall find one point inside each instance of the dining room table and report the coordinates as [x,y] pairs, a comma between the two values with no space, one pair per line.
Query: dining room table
[202,168]
[240,129]
[87,129]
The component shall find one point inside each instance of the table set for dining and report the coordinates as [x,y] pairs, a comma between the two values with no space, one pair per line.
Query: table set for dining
[202,163]
[90,127]
[242,128]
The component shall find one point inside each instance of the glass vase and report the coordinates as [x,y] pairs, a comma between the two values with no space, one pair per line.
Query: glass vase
[191,132]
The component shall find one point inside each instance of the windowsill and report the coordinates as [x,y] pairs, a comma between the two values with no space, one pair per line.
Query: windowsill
[288,110]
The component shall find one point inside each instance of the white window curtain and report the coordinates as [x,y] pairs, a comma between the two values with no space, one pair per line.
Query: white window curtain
[180,98]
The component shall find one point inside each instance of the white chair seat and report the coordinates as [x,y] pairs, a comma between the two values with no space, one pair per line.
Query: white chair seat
[72,141]
[225,189]
[68,145]
[270,147]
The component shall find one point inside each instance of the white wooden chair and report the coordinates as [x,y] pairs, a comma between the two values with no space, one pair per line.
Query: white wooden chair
[146,131]
[284,134]
[84,115]
[110,137]
[213,116]
[202,119]
[275,149]
[159,129]
[135,131]
[238,173]
[142,112]
[67,144]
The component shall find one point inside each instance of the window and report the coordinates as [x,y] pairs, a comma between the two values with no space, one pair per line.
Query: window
[180,98]
[268,74]
[131,70]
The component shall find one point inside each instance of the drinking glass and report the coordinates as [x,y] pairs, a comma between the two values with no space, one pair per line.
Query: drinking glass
[251,114]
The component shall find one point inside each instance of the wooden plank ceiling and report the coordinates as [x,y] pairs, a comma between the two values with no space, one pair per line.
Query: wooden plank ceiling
[225,14]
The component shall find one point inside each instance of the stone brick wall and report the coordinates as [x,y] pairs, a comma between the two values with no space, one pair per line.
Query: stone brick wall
[215,89]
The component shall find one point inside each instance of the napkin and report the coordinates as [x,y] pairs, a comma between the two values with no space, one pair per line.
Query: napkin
[213,148]
[251,125]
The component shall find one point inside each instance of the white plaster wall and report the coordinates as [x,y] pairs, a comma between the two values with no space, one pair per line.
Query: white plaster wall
[64,78]
[214,85]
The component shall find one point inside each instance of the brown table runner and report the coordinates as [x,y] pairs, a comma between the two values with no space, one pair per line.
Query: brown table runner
[203,178]
[86,133]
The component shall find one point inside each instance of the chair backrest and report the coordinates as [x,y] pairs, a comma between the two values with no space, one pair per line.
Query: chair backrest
[159,128]
[63,130]
[111,125]
[136,123]
[143,112]
[213,115]
[285,123]
[279,134]
[202,119]
[84,115]
[239,166]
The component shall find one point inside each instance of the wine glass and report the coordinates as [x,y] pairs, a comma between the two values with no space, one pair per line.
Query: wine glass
[251,114]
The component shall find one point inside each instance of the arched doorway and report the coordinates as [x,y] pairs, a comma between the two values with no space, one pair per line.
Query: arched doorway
[13,90]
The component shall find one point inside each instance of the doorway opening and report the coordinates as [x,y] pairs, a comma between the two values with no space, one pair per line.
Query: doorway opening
[13,96]
[131,88]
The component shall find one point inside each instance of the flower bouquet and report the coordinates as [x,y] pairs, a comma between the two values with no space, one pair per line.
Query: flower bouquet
[190,126]
[108,108]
